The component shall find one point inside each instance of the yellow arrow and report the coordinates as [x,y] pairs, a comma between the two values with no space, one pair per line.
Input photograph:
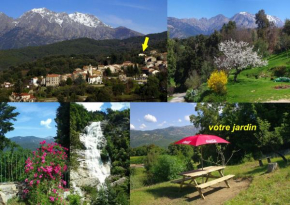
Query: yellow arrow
[145,44]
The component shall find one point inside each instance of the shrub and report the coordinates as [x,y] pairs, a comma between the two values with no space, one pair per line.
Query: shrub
[167,168]
[279,71]
[44,175]
[217,82]
[74,199]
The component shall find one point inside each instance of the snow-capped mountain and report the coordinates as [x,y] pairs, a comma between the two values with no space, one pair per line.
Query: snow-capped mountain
[41,26]
[182,28]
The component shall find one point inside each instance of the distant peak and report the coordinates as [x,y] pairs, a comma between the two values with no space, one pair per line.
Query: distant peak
[243,13]
[39,10]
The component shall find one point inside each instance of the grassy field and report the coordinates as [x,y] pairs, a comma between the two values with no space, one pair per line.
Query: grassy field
[265,188]
[255,85]
[137,160]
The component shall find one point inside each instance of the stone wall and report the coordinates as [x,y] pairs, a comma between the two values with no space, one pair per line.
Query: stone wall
[9,190]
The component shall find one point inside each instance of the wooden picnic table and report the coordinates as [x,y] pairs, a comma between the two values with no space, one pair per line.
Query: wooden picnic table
[191,176]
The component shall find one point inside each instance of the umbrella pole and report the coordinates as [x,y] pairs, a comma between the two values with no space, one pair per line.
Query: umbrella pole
[201,162]
[201,157]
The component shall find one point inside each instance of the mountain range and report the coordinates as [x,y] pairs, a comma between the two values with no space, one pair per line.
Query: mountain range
[183,28]
[161,137]
[30,142]
[42,26]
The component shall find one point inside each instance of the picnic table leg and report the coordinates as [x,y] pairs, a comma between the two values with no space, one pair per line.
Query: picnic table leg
[181,184]
[221,173]
[207,177]
[200,193]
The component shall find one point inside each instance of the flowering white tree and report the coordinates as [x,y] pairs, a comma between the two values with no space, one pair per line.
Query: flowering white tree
[239,56]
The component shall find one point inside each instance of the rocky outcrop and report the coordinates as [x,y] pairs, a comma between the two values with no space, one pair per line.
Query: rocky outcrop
[10,190]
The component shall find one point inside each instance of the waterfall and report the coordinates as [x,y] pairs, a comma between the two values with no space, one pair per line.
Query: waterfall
[94,140]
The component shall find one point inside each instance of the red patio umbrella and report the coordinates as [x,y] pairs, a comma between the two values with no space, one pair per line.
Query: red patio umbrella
[201,139]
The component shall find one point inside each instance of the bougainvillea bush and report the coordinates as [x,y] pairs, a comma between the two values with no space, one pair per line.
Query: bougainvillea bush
[44,175]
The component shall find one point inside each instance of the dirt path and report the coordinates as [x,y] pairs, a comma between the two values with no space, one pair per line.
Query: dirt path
[178,97]
[279,101]
[216,194]
[137,165]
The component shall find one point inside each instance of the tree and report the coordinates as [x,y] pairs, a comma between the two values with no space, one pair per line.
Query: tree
[238,56]
[193,81]
[171,60]
[286,28]
[7,114]
[267,138]
[263,24]
[63,125]
[69,81]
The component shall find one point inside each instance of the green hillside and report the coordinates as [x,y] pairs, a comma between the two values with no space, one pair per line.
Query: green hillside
[80,46]
[160,137]
[257,84]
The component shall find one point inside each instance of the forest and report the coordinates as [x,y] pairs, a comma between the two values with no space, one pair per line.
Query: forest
[100,48]
[199,65]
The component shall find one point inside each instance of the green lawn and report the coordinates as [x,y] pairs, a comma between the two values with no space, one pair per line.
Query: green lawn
[265,188]
[255,85]
[137,160]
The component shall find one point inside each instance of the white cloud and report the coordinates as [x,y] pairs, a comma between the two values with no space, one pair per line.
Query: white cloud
[187,118]
[142,126]
[92,106]
[150,118]
[132,127]
[112,19]
[46,123]
[134,6]
[179,120]
[163,123]
[120,106]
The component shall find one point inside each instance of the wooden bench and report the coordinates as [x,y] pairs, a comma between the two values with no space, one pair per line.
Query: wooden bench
[215,181]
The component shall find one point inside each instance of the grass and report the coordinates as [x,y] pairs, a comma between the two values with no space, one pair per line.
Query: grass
[137,160]
[249,89]
[265,188]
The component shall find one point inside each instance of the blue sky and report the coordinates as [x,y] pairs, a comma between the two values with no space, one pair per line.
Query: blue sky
[210,8]
[150,116]
[145,16]
[35,119]
[103,106]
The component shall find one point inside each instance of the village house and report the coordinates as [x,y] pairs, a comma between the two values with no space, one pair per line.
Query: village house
[127,64]
[66,76]
[52,80]
[122,77]
[34,81]
[22,97]
[7,85]
[95,76]
[150,59]
[153,52]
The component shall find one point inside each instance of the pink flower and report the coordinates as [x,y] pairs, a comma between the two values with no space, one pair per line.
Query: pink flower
[64,182]
[51,198]
[43,142]
[31,183]
[37,182]
[26,180]
[49,169]
[64,167]
[54,191]
[35,175]
[42,161]
[40,176]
